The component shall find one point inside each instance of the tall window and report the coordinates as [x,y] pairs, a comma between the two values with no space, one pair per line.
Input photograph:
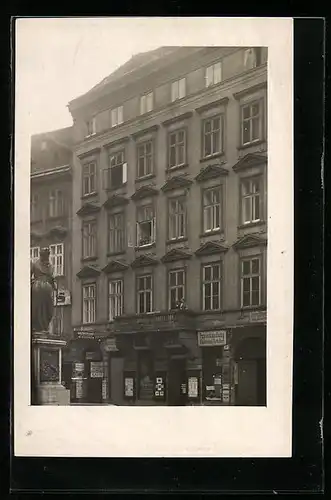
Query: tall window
[251,122]
[213,74]
[89,230]
[145,225]
[89,178]
[176,287]
[212,210]
[57,258]
[144,159]
[177,216]
[116,116]
[212,136]
[34,253]
[115,298]
[178,89]
[35,208]
[116,233]
[91,127]
[146,103]
[117,173]
[144,294]
[56,326]
[177,148]
[89,303]
[250,200]
[56,203]
[211,287]
[251,282]
[252,57]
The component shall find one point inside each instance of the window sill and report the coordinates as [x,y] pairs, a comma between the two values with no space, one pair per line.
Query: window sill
[261,307]
[90,135]
[144,178]
[211,233]
[252,144]
[211,157]
[88,259]
[213,311]
[252,224]
[176,240]
[88,195]
[143,247]
[176,167]
[113,254]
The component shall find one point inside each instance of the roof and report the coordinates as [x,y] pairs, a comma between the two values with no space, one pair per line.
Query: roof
[62,136]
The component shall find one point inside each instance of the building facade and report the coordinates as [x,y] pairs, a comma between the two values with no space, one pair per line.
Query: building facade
[170,230]
[50,226]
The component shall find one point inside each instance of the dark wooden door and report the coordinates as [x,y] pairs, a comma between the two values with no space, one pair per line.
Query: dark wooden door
[176,382]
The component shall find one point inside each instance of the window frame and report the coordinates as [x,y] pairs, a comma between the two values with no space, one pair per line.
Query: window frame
[204,282]
[153,223]
[117,295]
[176,287]
[34,259]
[94,223]
[121,247]
[221,134]
[94,286]
[91,127]
[89,176]
[123,164]
[55,245]
[144,144]
[35,210]
[250,258]
[56,200]
[212,67]
[250,103]
[171,133]
[251,178]
[221,204]
[175,85]
[177,199]
[150,290]
[144,102]
[116,110]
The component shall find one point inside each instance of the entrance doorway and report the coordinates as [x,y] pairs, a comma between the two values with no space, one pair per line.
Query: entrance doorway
[251,361]
[177,390]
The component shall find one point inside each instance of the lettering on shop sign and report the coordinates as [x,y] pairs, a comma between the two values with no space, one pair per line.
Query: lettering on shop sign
[110,345]
[79,389]
[96,369]
[212,338]
[258,316]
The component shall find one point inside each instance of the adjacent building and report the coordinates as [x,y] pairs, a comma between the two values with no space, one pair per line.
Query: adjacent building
[169,230]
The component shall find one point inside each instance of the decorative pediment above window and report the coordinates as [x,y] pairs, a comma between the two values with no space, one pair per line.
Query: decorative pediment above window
[180,181]
[115,266]
[88,208]
[88,271]
[58,231]
[210,172]
[113,144]
[249,241]
[174,119]
[115,201]
[91,152]
[148,130]
[144,261]
[144,192]
[250,160]
[210,248]
[176,254]
[211,105]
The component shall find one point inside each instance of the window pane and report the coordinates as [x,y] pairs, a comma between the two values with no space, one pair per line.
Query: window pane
[256,214]
[216,124]
[181,136]
[181,153]
[246,111]
[217,73]
[208,198]
[246,299]
[208,290]
[172,279]
[215,302]
[255,283]
[120,114]
[255,266]
[247,204]
[255,109]
[216,142]
[255,298]
[207,126]
[180,292]
[246,284]
[182,89]
[208,149]
[172,156]
[141,306]
[180,277]
[209,75]
[207,273]
[246,266]
[255,129]
[215,288]
[216,272]
[148,281]
[173,298]
[148,302]
[246,132]
[207,304]
[208,218]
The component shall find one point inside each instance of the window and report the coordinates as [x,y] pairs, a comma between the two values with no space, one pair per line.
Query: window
[116,233]
[212,136]
[56,258]
[34,254]
[252,57]
[56,325]
[117,173]
[212,210]
[116,116]
[91,127]
[35,208]
[176,287]
[145,226]
[89,178]
[177,215]
[144,159]
[178,89]
[251,282]
[146,103]
[144,294]
[213,74]
[56,203]
[115,297]
[89,303]
[250,200]
[211,287]
[251,120]
[177,148]
[89,239]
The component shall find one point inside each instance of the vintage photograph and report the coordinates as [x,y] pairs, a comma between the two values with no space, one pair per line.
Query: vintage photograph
[149,234]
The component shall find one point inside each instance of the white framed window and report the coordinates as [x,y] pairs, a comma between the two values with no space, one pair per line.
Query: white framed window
[146,103]
[177,218]
[251,282]
[251,122]
[35,207]
[178,89]
[145,225]
[89,178]
[212,129]
[56,326]
[211,287]
[115,298]
[176,287]
[89,230]
[116,233]
[144,294]
[56,203]
[116,116]
[34,253]
[89,303]
[212,209]
[144,159]
[91,127]
[177,148]
[116,174]
[56,258]
[213,74]
[251,200]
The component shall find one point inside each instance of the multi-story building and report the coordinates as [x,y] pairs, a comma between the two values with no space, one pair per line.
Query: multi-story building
[170,230]
[50,221]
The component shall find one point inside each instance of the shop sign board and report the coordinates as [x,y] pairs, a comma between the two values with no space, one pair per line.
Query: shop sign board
[109,345]
[193,387]
[212,338]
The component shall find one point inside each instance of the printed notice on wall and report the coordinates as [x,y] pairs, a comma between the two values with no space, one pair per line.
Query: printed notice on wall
[193,387]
